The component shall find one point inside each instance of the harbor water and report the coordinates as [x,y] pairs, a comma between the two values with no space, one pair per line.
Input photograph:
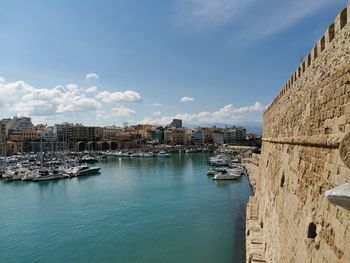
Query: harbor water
[136,210]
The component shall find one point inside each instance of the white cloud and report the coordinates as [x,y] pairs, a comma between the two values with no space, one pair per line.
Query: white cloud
[186,99]
[227,114]
[156,113]
[101,115]
[126,96]
[92,76]
[2,80]
[24,99]
[92,89]
[156,104]
[122,112]
[72,87]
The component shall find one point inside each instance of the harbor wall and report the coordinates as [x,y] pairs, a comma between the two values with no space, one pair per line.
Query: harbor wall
[289,219]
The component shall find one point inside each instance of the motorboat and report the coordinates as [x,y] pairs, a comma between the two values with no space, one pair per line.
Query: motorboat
[211,172]
[218,161]
[228,174]
[88,159]
[17,174]
[163,154]
[83,170]
[45,175]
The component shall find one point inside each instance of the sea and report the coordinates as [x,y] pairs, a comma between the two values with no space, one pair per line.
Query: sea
[136,210]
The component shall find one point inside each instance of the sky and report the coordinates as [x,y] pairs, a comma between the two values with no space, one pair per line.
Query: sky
[106,62]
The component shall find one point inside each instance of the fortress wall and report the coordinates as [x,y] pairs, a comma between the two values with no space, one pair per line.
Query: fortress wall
[300,159]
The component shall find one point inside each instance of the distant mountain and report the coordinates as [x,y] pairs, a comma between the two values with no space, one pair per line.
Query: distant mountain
[253,127]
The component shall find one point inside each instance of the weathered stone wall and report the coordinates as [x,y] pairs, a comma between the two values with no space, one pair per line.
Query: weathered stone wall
[300,160]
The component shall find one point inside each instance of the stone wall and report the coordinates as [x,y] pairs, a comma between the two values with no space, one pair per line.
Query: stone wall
[303,130]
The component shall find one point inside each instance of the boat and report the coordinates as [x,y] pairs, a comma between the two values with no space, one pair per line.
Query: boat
[88,159]
[83,170]
[29,176]
[218,161]
[163,154]
[217,170]
[229,174]
[46,175]
[17,174]
[211,172]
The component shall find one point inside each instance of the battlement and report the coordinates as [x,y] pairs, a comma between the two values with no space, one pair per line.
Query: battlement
[304,167]
[323,44]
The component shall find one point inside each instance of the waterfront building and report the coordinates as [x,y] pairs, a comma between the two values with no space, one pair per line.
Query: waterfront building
[3,130]
[207,135]
[25,135]
[107,133]
[160,134]
[218,138]
[189,136]
[60,131]
[20,124]
[240,134]
[198,137]
[174,136]
[234,135]
[177,123]
[46,132]
[79,132]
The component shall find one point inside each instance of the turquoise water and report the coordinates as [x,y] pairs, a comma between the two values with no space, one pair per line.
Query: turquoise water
[137,210]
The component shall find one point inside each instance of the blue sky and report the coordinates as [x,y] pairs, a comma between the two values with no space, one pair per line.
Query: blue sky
[106,62]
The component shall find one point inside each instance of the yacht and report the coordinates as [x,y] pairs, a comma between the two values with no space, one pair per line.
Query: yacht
[219,160]
[227,176]
[88,159]
[83,170]
[45,175]
[17,174]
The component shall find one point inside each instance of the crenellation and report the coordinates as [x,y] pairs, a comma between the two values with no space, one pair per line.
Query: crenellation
[343,19]
[309,60]
[332,31]
[303,131]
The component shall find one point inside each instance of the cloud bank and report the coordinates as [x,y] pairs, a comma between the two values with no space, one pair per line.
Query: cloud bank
[227,114]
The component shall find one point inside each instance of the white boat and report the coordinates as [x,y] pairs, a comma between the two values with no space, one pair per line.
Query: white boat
[229,175]
[17,174]
[219,160]
[29,176]
[46,175]
[88,159]
[83,170]
[163,154]
[211,172]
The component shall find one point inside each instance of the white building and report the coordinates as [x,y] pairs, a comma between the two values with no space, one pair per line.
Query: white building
[20,124]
